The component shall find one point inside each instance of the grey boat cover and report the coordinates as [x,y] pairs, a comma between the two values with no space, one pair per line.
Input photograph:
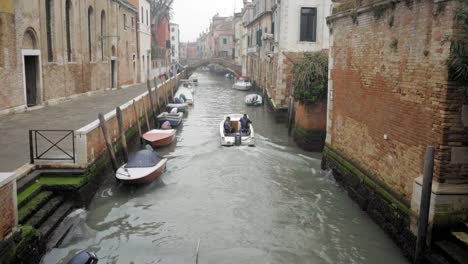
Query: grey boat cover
[145,158]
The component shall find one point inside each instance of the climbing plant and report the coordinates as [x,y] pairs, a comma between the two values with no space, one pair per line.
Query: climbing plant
[458,59]
[310,78]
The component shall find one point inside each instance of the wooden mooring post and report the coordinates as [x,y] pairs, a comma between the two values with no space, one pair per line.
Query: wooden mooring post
[110,150]
[137,117]
[146,115]
[123,137]
[425,205]
[150,94]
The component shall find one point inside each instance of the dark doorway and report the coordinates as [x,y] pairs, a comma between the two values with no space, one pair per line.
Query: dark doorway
[112,73]
[31,77]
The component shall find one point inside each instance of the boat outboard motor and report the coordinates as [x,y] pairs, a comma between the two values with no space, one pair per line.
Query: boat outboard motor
[238,139]
[84,257]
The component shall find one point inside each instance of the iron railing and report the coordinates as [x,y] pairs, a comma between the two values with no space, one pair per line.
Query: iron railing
[52,145]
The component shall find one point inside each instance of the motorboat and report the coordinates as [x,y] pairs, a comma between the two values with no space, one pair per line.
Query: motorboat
[174,118]
[186,95]
[181,107]
[84,257]
[242,84]
[188,86]
[194,81]
[160,137]
[253,100]
[229,76]
[237,138]
[143,167]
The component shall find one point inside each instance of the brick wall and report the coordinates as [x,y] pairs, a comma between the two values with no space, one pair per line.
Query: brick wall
[7,207]
[389,77]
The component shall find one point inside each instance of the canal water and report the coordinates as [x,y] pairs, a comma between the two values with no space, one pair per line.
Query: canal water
[265,204]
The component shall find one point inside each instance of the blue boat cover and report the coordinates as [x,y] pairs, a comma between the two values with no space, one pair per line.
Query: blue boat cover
[143,159]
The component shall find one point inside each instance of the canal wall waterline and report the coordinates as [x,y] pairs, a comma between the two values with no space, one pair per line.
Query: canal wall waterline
[384,207]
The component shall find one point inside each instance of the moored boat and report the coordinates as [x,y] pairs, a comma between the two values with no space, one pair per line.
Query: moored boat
[245,138]
[186,95]
[159,138]
[183,107]
[175,119]
[253,100]
[143,167]
[242,84]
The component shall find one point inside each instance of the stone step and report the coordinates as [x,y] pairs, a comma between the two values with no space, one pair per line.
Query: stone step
[33,205]
[26,195]
[452,251]
[435,258]
[55,219]
[45,212]
[29,179]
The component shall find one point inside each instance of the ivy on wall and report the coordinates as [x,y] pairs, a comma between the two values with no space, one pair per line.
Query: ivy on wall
[458,60]
[310,78]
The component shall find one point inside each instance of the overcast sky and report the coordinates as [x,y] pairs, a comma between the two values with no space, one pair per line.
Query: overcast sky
[193,16]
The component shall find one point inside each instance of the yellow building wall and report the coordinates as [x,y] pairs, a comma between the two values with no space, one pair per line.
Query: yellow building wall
[7,6]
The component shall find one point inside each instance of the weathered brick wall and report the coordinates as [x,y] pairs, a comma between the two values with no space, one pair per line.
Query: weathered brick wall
[389,77]
[311,117]
[7,207]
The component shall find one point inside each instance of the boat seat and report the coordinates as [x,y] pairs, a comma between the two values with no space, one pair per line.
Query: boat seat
[235,125]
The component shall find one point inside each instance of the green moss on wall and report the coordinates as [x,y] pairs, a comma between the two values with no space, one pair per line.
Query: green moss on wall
[32,206]
[347,167]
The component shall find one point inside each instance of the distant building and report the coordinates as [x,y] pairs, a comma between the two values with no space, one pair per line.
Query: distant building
[143,58]
[192,50]
[160,45]
[221,37]
[56,49]
[183,52]
[175,40]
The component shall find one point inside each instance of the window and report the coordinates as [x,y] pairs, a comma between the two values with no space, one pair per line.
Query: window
[133,23]
[259,37]
[147,18]
[142,16]
[224,41]
[90,35]
[68,28]
[125,21]
[103,32]
[173,38]
[308,24]
[273,28]
[172,29]
[49,29]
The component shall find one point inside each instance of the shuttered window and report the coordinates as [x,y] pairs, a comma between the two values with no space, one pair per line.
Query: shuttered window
[308,24]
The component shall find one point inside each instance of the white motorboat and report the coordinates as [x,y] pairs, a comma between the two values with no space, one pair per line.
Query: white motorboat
[182,107]
[174,118]
[242,85]
[186,95]
[244,138]
[189,86]
[253,100]
[143,167]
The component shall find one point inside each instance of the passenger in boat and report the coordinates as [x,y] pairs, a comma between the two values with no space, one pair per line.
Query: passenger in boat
[228,129]
[178,101]
[245,121]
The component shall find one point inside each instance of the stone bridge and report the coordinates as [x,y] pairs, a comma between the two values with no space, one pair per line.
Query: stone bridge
[226,63]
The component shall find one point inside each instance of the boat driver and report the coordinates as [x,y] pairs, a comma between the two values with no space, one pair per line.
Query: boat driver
[245,121]
[228,129]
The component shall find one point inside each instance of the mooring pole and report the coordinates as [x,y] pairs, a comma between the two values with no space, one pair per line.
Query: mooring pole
[123,137]
[425,205]
[105,132]
[137,121]
[146,114]
[148,84]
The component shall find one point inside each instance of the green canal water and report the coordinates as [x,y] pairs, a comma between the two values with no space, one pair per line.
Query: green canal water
[265,204]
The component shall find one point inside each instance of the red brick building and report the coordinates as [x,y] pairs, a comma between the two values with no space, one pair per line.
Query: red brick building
[389,97]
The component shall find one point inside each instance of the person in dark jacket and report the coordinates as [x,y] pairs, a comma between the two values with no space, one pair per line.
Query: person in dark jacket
[228,129]
[245,121]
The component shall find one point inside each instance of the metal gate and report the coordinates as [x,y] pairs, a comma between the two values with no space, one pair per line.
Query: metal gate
[52,145]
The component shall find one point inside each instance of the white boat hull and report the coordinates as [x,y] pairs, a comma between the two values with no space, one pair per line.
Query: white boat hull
[242,86]
[230,140]
[141,175]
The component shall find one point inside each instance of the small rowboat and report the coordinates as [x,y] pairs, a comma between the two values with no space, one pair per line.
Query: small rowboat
[180,107]
[253,100]
[185,94]
[174,118]
[142,168]
[159,138]
[242,84]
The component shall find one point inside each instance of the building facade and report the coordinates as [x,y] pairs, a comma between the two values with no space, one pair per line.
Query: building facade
[143,56]
[391,96]
[175,41]
[277,33]
[54,49]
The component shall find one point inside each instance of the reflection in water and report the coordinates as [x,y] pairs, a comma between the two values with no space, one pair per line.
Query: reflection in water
[267,204]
